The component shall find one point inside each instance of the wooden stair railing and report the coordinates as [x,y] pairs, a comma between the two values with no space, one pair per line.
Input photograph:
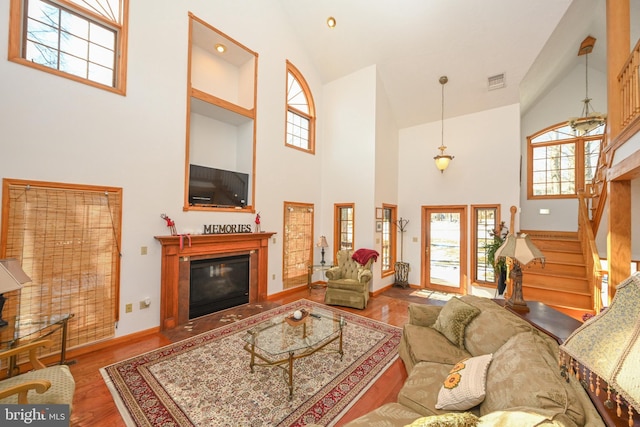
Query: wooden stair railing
[589,250]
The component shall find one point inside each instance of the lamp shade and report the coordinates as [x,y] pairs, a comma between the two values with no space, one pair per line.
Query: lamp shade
[322,242]
[11,275]
[442,161]
[609,343]
[520,249]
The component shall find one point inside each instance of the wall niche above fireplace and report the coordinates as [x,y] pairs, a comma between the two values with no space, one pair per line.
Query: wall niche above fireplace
[177,254]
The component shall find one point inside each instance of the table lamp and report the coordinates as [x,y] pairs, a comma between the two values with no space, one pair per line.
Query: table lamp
[322,243]
[11,279]
[604,353]
[521,251]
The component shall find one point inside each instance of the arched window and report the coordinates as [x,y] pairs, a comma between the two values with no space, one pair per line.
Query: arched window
[301,113]
[561,163]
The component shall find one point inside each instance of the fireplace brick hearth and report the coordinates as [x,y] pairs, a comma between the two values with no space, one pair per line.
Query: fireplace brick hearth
[177,254]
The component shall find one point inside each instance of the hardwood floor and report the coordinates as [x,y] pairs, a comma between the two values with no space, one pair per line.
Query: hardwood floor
[93,405]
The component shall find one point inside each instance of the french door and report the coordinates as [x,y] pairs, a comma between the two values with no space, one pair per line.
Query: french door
[444,248]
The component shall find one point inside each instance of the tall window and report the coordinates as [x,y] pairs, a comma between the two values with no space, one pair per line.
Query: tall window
[389,234]
[486,218]
[297,243]
[344,230]
[67,239]
[301,119]
[84,40]
[561,163]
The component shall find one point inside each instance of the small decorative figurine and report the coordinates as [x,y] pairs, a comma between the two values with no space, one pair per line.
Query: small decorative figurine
[170,224]
[258,223]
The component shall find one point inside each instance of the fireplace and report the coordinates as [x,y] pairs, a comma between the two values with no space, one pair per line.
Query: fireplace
[218,283]
[179,252]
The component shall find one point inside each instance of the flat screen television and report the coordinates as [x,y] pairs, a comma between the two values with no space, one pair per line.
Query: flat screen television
[217,187]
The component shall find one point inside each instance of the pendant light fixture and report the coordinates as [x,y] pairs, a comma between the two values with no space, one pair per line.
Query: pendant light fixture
[442,159]
[589,120]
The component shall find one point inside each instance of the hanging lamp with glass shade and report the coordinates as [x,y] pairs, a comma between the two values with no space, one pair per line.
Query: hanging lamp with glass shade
[442,160]
[589,120]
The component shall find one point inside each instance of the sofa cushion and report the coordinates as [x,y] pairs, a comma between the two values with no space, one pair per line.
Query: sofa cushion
[420,390]
[454,419]
[464,387]
[429,345]
[453,319]
[493,327]
[524,373]
[387,415]
[522,417]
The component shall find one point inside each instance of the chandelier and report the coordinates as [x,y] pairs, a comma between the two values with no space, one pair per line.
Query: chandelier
[442,159]
[589,120]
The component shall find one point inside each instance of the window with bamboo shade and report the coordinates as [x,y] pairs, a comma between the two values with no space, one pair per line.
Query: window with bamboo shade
[67,239]
[297,243]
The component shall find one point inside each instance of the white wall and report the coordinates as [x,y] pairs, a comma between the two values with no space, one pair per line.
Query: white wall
[561,102]
[54,129]
[386,166]
[485,169]
[348,174]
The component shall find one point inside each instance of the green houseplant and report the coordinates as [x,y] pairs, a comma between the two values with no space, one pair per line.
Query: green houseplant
[500,266]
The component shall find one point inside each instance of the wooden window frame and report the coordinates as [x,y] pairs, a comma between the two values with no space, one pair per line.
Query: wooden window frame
[302,276]
[16,50]
[390,223]
[311,116]
[475,245]
[337,230]
[70,259]
[579,153]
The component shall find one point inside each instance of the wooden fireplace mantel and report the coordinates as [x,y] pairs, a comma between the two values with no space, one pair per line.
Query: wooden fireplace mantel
[177,251]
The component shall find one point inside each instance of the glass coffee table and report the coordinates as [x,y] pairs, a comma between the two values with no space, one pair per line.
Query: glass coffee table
[280,341]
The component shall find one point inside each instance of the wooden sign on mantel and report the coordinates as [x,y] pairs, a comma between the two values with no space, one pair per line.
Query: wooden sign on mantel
[226,228]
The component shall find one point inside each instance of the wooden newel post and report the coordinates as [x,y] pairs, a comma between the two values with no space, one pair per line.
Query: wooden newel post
[512,227]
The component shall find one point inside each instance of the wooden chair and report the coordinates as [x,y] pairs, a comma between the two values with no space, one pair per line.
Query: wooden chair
[42,385]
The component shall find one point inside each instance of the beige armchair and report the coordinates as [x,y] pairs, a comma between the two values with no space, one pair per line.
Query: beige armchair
[348,283]
[42,385]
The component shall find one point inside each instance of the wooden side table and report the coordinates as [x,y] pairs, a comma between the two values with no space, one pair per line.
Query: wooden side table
[314,268]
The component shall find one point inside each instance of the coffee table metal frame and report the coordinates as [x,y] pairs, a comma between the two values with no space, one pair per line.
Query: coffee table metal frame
[304,346]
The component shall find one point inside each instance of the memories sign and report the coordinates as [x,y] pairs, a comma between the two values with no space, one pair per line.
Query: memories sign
[227,228]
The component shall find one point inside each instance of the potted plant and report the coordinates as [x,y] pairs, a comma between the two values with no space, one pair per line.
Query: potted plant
[499,267]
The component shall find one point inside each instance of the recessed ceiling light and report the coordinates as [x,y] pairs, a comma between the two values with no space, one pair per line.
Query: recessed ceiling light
[331,22]
[221,48]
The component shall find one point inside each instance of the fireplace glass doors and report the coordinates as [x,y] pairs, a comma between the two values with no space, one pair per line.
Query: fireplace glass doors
[217,284]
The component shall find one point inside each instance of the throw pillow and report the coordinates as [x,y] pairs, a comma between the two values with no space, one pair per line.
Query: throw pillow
[463,419]
[464,388]
[454,318]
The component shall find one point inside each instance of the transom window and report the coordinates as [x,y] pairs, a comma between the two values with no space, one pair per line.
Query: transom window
[300,112]
[83,40]
[561,163]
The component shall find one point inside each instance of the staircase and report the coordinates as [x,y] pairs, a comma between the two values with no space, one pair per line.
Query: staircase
[563,282]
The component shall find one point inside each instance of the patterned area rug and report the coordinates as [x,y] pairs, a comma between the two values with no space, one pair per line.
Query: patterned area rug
[205,380]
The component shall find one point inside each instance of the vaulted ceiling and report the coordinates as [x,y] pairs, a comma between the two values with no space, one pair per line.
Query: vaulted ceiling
[414,42]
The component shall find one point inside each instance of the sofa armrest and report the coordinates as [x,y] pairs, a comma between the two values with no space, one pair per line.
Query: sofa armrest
[334,273]
[364,275]
[423,315]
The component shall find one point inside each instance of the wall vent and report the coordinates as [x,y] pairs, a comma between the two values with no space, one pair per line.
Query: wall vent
[496,82]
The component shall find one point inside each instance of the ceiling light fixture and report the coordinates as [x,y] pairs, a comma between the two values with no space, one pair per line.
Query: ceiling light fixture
[589,120]
[331,22]
[221,48]
[442,159]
